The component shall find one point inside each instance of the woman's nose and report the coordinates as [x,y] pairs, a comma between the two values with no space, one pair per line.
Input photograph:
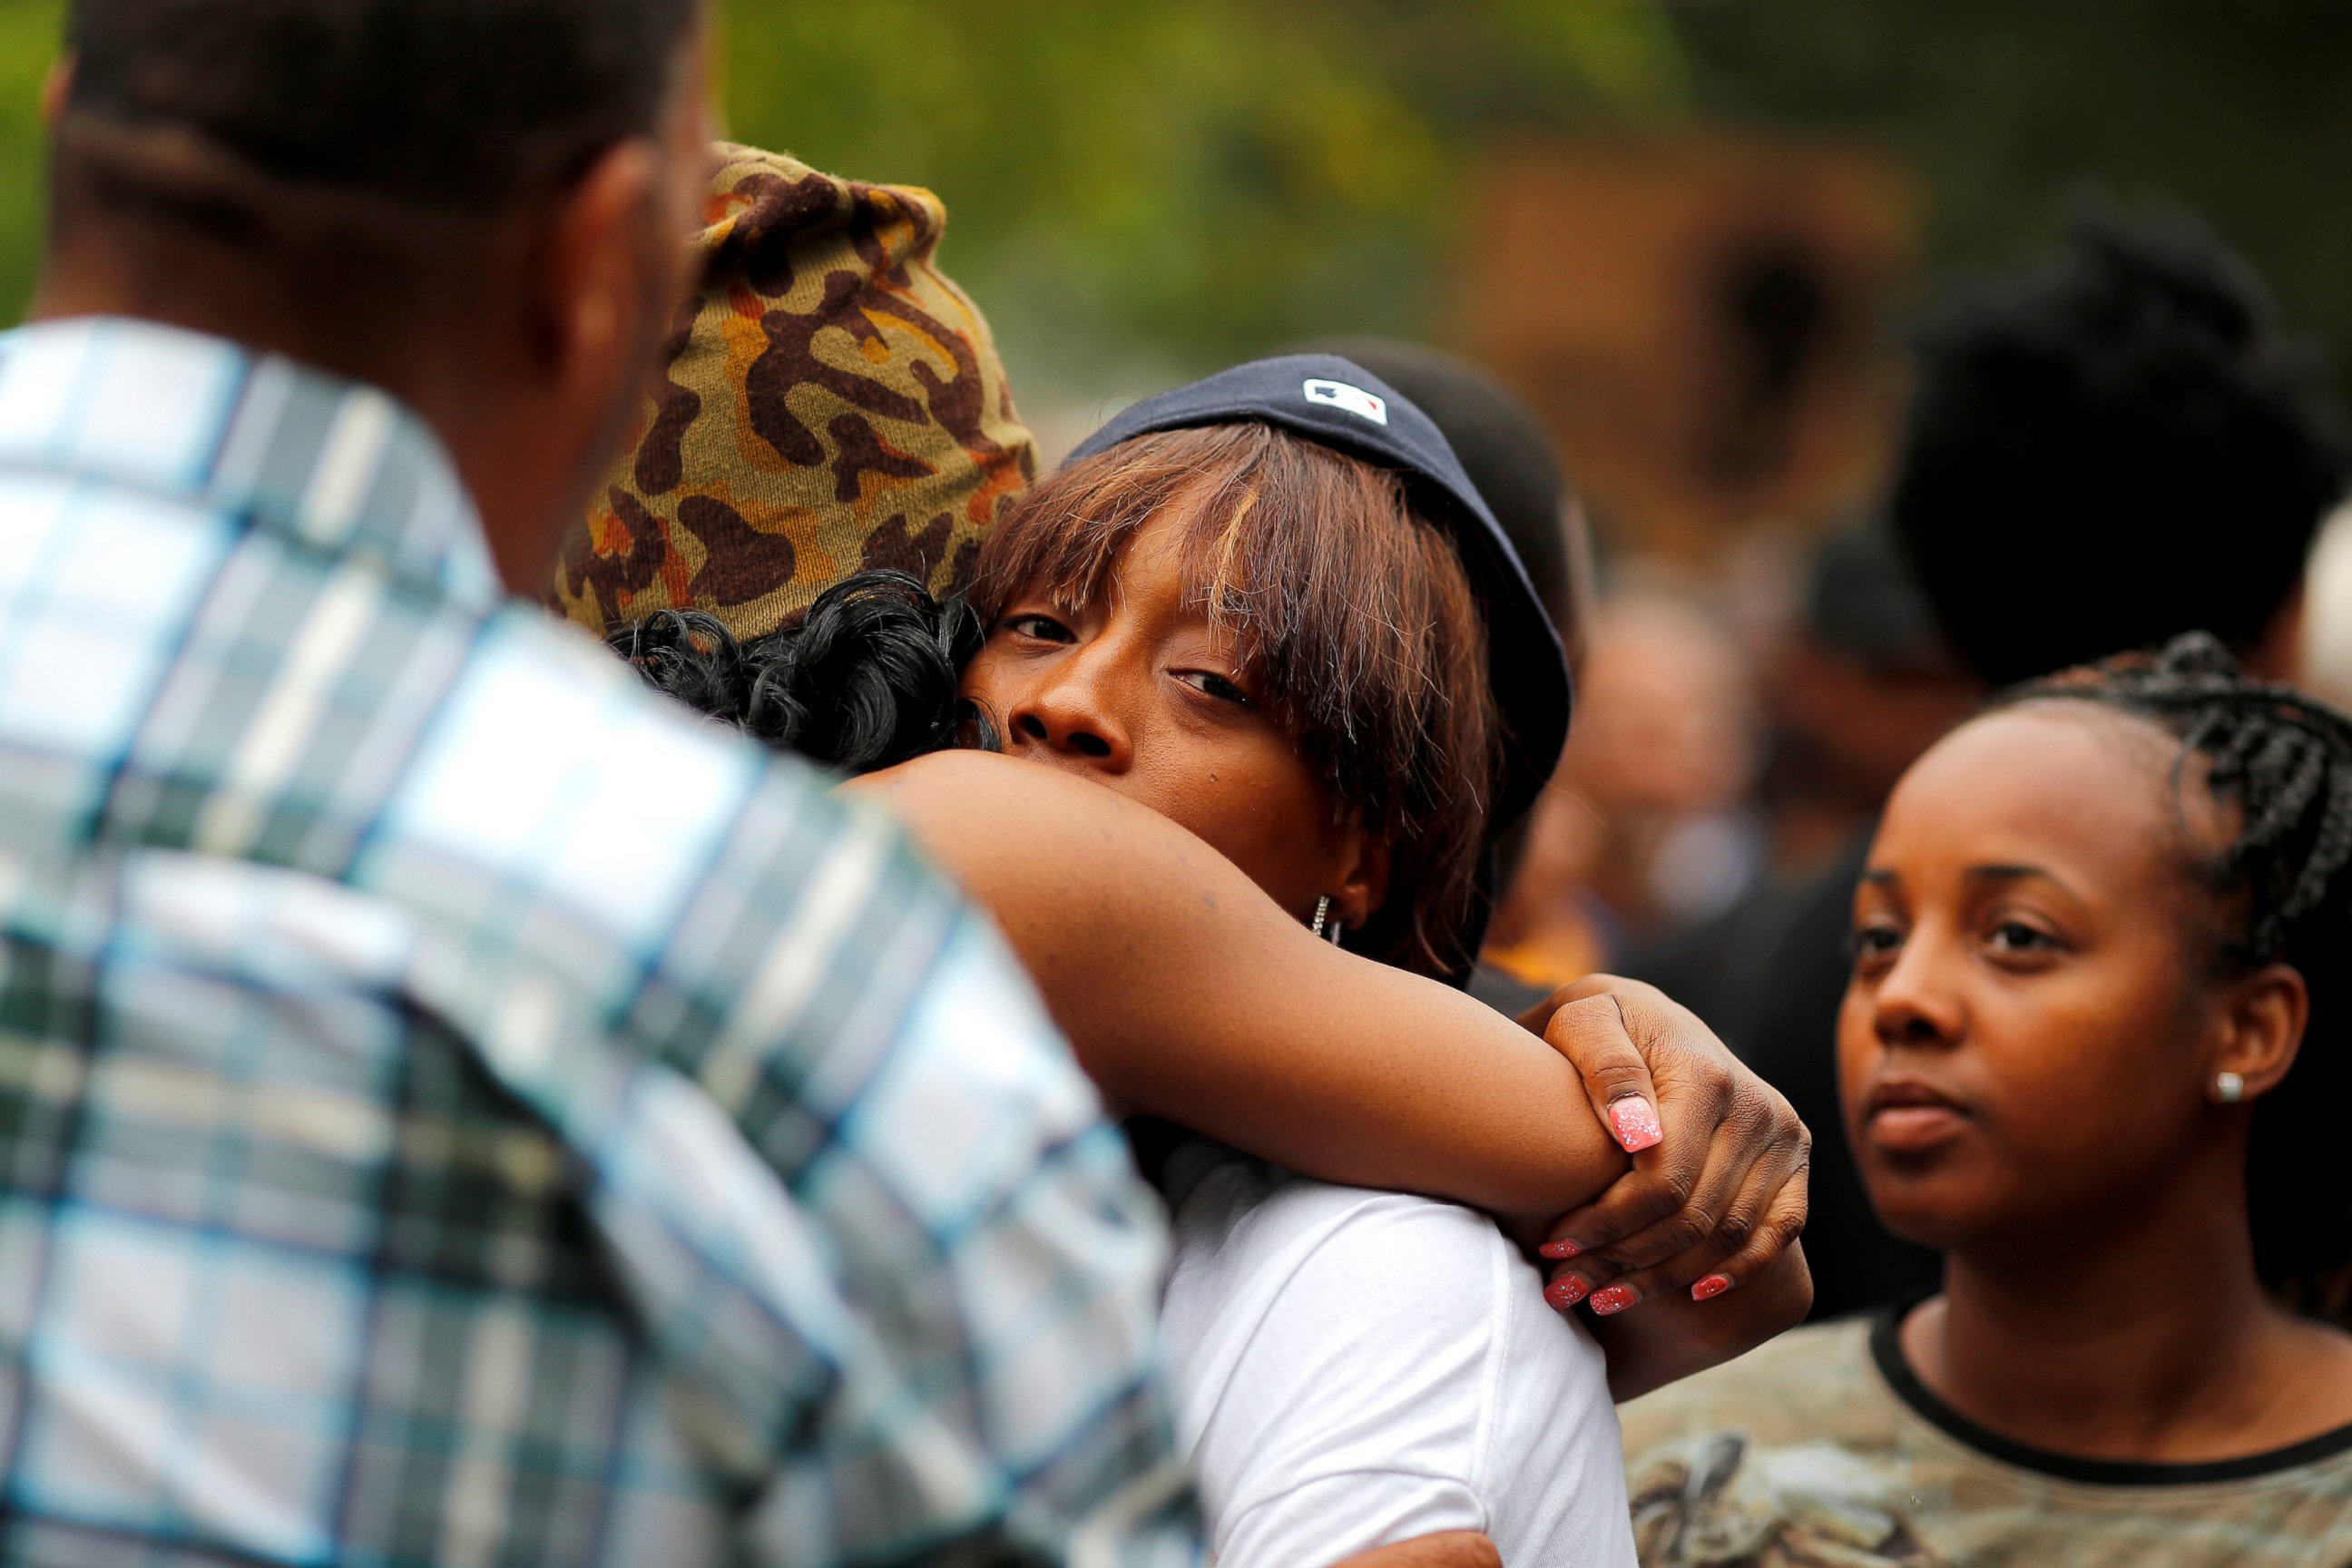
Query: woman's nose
[1915,1004]
[1071,710]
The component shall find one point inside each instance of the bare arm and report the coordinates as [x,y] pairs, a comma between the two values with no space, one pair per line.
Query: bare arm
[1189,994]
[1453,1549]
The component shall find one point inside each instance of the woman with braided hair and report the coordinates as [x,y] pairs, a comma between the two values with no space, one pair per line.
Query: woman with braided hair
[2094,1050]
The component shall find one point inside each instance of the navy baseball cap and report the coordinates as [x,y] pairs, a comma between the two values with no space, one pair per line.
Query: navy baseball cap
[1338,404]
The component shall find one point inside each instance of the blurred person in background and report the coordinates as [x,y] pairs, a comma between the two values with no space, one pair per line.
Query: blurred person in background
[2327,651]
[1645,824]
[2102,451]
[1864,685]
[2113,448]
[390,1181]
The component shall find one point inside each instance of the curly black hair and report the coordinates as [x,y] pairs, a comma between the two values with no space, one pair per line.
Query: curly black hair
[2284,760]
[864,680]
[2109,451]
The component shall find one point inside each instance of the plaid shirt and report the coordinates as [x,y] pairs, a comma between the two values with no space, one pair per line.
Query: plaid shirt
[455,1109]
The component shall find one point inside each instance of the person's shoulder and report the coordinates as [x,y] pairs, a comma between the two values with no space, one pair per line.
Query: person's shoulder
[547,760]
[1364,1361]
[1330,1234]
[1800,1377]
[658,868]
[1803,1357]
[1281,1281]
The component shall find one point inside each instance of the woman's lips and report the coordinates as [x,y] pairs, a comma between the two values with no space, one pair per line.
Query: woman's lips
[1910,1116]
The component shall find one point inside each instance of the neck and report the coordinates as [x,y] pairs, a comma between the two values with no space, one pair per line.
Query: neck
[427,354]
[2139,1335]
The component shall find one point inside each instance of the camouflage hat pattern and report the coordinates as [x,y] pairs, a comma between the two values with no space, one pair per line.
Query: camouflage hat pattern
[830,402]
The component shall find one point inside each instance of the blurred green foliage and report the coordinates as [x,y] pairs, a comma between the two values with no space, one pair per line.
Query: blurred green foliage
[1192,179]
[1177,182]
[28,43]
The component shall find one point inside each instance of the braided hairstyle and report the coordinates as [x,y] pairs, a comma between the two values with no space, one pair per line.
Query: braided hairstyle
[2284,760]
[864,680]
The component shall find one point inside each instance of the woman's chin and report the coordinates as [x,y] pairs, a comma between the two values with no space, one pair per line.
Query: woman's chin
[1930,1208]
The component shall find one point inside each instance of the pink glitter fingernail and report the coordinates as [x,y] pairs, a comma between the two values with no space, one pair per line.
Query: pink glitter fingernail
[1616,1299]
[1566,1292]
[1636,1121]
[1708,1289]
[1558,1249]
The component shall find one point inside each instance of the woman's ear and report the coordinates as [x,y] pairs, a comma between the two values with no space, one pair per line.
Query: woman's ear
[1364,886]
[57,90]
[2261,1027]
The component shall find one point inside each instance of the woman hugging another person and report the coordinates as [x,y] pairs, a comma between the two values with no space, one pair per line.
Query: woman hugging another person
[1255,670]
[1271,609]
[1254,604]
[2093,1050]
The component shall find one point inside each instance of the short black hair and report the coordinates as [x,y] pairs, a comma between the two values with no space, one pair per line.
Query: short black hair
[1860,603]
[449,104]
[2112,449]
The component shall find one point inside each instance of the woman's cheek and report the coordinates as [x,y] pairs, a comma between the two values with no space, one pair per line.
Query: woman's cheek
[2069,1065]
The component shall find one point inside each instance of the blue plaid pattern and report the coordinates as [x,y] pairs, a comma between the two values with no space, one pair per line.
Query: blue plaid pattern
[455,1109]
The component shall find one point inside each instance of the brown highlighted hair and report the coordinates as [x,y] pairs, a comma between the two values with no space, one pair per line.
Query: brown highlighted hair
[1350,610]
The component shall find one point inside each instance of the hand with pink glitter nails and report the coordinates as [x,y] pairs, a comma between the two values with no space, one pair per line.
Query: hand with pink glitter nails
[1716,1198]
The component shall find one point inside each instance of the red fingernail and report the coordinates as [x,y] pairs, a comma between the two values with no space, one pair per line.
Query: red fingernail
[1636,1121]
[1708,1289]
[1616,1299]
[1565,1292]
[1558,1249]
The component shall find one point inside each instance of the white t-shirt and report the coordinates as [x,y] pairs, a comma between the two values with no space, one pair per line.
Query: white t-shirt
[1353,1369]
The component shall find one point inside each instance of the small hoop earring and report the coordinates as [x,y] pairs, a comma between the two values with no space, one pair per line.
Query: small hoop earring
[1325,926]
[2229,1087]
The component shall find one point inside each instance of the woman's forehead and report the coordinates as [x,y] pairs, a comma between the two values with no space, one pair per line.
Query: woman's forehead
[2061,781]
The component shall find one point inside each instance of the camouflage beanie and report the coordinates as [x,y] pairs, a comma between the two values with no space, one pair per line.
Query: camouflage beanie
[831,403]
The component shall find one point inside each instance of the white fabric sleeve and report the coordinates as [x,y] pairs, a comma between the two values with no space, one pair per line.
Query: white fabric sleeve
[1322,1521]
[1347,1351]
[1355,1368]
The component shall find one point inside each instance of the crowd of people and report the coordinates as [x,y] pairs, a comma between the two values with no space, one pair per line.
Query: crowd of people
[630,938]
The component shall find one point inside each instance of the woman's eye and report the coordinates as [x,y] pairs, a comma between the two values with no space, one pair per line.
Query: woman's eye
[1046,629]
[1210,683]
[1873,941]
[2016,936]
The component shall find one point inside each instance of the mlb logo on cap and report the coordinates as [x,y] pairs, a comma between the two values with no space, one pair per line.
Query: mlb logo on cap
[1354,399]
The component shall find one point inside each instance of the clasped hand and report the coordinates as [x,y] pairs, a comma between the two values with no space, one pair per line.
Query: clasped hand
[1717,1189]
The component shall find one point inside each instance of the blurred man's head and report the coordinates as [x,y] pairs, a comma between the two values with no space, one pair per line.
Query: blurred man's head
[2112,449]
[480,206]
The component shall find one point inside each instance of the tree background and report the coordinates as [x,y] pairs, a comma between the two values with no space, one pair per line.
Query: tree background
[1169,184]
